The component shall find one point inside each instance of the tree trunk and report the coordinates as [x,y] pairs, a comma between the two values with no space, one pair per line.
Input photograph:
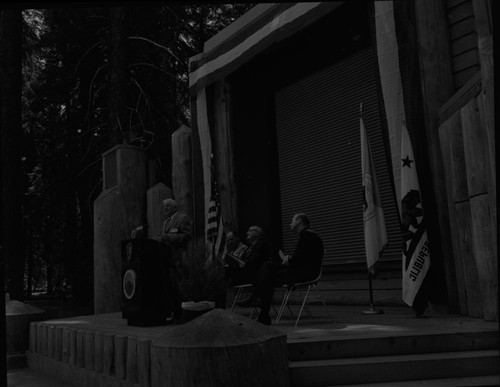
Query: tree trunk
[118,91]
[11,138]
[220,348]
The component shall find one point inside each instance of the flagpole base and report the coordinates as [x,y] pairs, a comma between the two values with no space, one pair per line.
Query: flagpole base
[372,310]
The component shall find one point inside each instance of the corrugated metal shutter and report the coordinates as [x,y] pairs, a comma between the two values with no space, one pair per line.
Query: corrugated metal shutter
[317,121]
[463,41]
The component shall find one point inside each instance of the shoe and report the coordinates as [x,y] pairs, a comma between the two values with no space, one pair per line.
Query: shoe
[250,301]
[266,320]
[170,320]
[173,320]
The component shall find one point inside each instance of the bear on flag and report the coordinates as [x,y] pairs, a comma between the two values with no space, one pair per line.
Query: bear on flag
[416,253]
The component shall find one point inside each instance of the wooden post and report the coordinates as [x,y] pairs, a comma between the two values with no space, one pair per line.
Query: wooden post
[32,342]
[484,28]
[452,148]
[80,348]
[65,350]
[39,341]
[45,340]
[89,350]
[143,362]
[108,353]
[464,237]
[117,211]
[98,349]
[182,182]
[197,173]
[227,349]
[72,346]
[58,343]
[477,179]
[132,360]
[224,154]
[120,356]
[51,340]
[436,85]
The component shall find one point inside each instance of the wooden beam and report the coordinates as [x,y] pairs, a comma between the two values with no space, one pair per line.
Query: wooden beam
[471,89]
[224,154]
[484,28]
[436,85]
[197,175]
[477,181]
[450,135]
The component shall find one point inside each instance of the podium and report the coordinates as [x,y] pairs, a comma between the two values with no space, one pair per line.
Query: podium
[144,277]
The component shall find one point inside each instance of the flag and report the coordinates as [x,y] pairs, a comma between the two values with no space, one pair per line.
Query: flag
[416,253]
[215,227]
[373,215]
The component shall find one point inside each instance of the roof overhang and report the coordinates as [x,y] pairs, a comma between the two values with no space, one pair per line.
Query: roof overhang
[264,25]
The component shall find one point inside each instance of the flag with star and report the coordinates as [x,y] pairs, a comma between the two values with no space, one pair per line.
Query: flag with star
[373,215]
[416,251]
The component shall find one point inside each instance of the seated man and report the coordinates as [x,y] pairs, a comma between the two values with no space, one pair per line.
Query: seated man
[255,256]
[304,265]
[235,250]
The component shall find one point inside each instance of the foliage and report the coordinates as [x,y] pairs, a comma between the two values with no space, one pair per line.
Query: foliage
[66,91]
[202,279]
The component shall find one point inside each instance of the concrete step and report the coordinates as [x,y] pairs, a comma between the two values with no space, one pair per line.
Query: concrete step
[471,381]
[335,348]
[380,369]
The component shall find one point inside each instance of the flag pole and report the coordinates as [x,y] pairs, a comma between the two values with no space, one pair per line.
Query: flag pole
[372,309]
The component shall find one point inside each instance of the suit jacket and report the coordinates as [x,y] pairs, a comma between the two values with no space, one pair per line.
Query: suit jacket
[306,261]
[256,255]
[177,232]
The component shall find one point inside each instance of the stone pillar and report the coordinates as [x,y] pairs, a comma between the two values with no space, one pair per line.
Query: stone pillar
[117,211]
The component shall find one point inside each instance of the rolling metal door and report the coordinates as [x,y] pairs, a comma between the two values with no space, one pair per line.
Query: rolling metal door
[317,123]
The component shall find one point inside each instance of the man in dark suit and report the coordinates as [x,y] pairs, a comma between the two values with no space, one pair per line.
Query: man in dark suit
[304,265]
[254,257]
[176,232]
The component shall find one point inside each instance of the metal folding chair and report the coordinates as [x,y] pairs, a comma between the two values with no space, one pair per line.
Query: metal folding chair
[305,286]
[240,289]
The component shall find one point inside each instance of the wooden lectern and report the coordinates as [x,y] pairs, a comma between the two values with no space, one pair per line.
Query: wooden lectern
[145,300]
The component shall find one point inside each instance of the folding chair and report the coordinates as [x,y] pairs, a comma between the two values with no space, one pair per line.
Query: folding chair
[240,289]
[306,286]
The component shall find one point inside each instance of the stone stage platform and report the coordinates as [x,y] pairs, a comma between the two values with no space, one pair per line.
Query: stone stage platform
[353,349]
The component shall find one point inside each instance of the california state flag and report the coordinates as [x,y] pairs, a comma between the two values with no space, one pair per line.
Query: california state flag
[373,215]
[416,254]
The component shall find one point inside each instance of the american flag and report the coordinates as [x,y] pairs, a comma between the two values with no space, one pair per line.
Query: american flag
[215,227]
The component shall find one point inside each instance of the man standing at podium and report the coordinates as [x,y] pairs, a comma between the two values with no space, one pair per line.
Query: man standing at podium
[176,232]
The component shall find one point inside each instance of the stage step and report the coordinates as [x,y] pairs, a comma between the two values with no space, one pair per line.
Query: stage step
[335,348]
[316,373]
[101,350]
[470,381]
